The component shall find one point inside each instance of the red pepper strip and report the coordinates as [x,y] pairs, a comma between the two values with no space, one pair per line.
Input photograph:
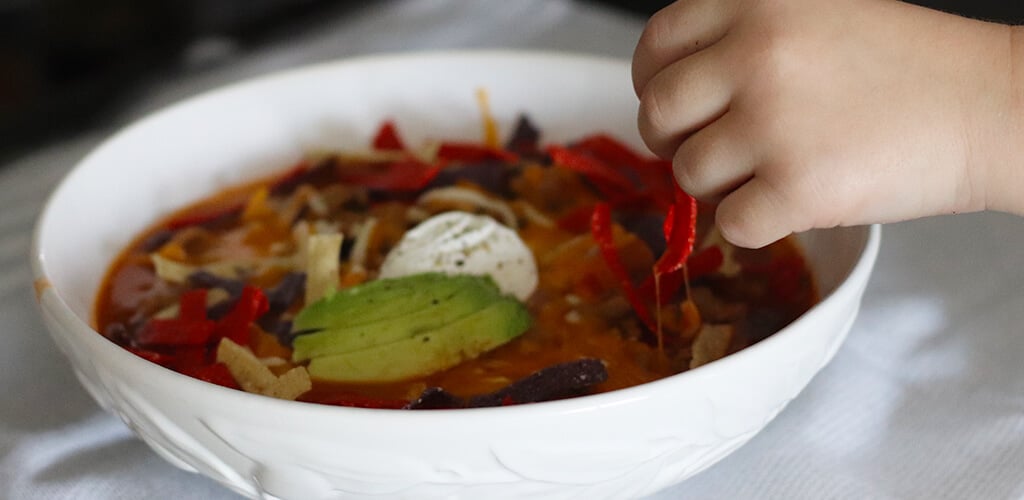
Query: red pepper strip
[705,262]
[194,219]
[250,306]
[700,264]
[290,177]
[601,229]
[402,175]
[659,180]
[154,357]
[360,401]
[175,332]
[611,151]
[654,175]
[387,138]
[192,305]
[216,373]
[680,230]
[474,153]
[191,327]
[612,184]
[189,357]
[577,220]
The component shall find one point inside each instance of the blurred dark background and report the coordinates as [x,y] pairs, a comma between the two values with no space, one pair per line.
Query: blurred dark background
[63,61]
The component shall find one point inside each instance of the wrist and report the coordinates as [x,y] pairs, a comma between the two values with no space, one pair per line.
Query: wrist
[1002,151]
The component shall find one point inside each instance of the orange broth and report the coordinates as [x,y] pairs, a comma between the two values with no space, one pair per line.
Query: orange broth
[579,309]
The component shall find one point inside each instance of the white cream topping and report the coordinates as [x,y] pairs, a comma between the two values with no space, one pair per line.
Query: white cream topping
[464,243]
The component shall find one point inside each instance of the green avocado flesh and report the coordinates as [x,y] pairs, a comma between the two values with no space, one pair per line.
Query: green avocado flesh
[429,351]
[382,299]
[398,328]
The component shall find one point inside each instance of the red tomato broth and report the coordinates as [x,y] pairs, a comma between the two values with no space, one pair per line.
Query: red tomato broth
[579,308]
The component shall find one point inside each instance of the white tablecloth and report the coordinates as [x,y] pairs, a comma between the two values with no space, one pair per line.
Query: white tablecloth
[924,401]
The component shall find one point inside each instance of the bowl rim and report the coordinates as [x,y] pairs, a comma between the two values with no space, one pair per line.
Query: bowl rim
[49,299]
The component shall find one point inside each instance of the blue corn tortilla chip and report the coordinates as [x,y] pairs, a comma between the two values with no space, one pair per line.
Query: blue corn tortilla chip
[572,378]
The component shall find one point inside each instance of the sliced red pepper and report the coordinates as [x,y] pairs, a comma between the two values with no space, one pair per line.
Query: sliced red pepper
[217,373]
[175,332]
[206,217]
[705,262]
[191,327]
[654,175]
[613,185]
[611,151]
[402,175]
[474,153]
[680,230]
[192,305]
[601,229]
[189,357]
[151,356]
[659,183]
[387,138]
[250,306]
[290,179]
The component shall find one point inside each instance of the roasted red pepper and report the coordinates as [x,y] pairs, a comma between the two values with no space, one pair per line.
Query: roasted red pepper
[204,218]
[403,175]
[216,373]
[191,327]
[250,306]
[680,230]
[654,175]
[151,356]
[611,151]
[616,187]
[601,230]
[175,332]
[387,138]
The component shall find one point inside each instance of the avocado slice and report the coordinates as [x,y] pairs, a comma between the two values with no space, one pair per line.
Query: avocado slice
[382,299]
[430,351]
[444,308]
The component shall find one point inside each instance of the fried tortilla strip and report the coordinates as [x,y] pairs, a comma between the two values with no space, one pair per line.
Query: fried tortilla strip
[290,385]
[712,343]
[253,376]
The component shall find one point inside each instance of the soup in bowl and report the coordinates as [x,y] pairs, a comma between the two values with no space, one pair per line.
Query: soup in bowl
[195,270]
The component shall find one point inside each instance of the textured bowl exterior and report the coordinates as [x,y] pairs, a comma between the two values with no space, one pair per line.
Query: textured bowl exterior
[626,443]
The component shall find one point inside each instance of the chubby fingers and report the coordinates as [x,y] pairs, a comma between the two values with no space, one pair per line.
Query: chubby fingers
[720,163]
[684,97]
[677,31]
[716,159]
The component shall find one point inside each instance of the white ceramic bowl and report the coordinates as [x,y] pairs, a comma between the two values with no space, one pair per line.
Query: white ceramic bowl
[626,443]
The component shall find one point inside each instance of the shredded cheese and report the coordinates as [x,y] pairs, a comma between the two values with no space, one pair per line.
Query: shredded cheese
[458,194]
[322,265]
[361,248]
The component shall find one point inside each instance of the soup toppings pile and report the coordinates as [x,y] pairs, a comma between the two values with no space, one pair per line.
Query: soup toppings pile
[451,275]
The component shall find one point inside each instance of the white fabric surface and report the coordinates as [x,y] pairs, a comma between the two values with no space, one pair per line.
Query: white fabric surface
[924,401]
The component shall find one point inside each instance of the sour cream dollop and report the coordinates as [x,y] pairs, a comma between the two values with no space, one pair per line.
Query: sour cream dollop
[464,243]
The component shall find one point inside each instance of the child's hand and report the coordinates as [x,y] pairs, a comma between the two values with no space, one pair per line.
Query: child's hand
[799,114]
